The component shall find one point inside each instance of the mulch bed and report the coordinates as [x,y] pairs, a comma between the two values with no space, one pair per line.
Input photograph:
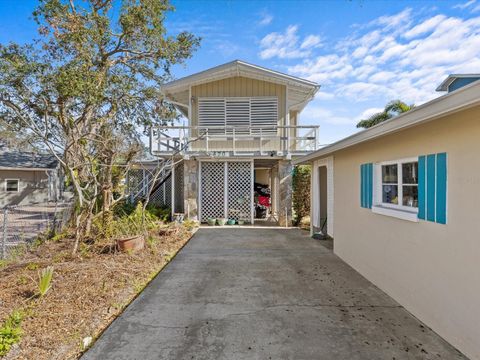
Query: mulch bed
[88,291]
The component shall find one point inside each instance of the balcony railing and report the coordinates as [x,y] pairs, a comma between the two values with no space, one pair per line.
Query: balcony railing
[234,140]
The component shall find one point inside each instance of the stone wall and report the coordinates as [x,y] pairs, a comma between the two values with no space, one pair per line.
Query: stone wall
[190,189]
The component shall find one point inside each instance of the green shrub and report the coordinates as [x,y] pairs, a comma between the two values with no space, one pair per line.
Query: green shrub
[135,223]
[45,280]
[301,192]
[161,213]
[10,332]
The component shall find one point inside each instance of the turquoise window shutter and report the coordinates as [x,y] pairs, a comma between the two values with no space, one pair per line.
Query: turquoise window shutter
[432,187]
[441,189]
[366,185]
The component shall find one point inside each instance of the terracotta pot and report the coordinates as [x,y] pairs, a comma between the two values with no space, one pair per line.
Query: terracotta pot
[132,243]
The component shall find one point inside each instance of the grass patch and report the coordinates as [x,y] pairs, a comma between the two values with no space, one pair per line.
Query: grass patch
[10,332]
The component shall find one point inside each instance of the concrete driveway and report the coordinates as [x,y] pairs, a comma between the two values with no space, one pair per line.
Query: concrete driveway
[265,294]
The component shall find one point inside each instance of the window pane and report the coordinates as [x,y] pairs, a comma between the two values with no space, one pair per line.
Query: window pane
[12,185]
[389,174]
[390,194]
[410,195]
[410,173]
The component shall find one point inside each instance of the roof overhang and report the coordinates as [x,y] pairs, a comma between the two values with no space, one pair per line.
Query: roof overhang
[461,99]
[300,91]
[451,78]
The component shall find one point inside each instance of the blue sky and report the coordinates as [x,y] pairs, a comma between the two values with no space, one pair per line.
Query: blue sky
[362,53]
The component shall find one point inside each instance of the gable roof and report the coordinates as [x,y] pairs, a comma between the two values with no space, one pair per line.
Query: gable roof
[451,78]
[455,101]
[300,91]
[237,68]
[27,160]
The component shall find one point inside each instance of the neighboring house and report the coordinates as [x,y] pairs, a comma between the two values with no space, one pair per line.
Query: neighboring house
[28,178]
[243,128]
[401,201]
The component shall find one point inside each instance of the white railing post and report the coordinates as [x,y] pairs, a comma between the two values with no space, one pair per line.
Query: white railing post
[261,142]
[233,142]
[288,139]
[159,139]
[206,141]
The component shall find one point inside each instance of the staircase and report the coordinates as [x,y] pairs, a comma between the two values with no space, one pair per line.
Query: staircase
[144,189]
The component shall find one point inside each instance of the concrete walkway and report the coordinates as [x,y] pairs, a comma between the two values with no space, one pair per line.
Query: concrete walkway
[264,294]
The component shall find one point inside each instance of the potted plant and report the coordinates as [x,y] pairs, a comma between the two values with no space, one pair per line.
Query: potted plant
[128,236]
[128,231]
[241,222]
[211,221]
[231,222]
[221,221]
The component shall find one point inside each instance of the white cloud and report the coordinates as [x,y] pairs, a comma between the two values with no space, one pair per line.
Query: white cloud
[368,112]
[287,45]
[323,68]
[425,26]
[323,95]
[464,5]
[311,41]
[380,63]
[394,23]
[320,114]
[266,19]
[361,91]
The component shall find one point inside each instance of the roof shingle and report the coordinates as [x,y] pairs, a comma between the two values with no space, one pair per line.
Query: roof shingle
[19,159]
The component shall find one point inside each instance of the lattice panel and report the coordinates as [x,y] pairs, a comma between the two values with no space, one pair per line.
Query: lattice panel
[162,196]
[239,190]
[212,190]
[168,192]
[135,177]
[179,188]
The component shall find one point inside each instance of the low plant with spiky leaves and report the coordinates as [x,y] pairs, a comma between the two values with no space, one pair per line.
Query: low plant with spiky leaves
[45,280]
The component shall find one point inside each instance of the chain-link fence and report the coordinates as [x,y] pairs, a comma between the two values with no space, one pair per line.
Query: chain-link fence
[22,224]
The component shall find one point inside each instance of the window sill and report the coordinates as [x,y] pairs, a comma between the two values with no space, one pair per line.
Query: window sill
[400,214]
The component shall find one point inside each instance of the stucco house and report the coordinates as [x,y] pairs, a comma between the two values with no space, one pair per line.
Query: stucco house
[401,199]
[28,178]
[233,155]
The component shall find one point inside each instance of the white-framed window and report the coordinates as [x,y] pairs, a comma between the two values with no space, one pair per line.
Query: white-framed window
[396,188]
[12,185]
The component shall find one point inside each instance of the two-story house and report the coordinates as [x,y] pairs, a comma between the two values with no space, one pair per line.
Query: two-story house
[243,131]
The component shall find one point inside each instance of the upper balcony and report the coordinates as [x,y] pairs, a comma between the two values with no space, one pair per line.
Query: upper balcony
[238,109]
[234,140]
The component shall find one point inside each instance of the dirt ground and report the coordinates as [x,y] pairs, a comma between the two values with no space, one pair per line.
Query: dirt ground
[88,291]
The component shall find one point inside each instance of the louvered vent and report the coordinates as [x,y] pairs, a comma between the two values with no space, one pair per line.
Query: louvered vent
[238,115]
[211,112]
[242,113]
[264,114]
